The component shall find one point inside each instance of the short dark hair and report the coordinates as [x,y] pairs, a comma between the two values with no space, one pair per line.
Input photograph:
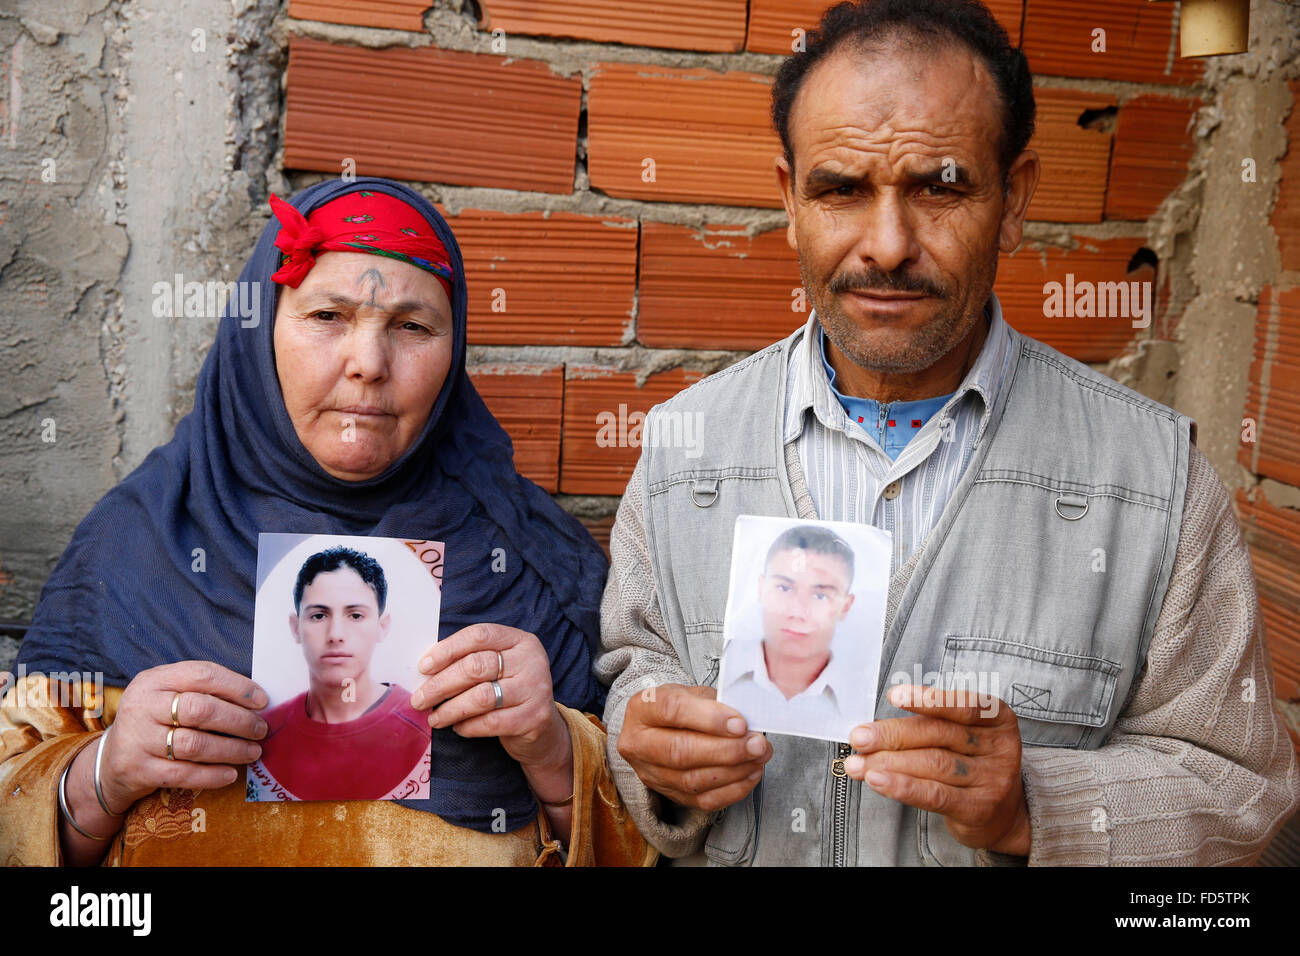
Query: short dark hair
[332,559]
[809,537]
[925,23]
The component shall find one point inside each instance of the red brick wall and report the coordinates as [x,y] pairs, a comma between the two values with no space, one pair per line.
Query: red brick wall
[609,170]
[636,282]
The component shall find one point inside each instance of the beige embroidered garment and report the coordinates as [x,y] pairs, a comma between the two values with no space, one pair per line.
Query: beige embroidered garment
[41,732]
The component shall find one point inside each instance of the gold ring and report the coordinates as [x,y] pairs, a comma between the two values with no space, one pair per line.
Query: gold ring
[176,703]
[501,665]
[171,733]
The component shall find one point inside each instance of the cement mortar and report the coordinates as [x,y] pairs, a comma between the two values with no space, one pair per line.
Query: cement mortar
[590,507]
[8,654]
[1280,495]
[458,199]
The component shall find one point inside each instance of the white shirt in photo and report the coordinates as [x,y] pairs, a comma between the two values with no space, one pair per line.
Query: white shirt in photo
[813,712]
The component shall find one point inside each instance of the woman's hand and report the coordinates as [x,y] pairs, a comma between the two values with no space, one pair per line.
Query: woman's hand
[463,670]
[213,702]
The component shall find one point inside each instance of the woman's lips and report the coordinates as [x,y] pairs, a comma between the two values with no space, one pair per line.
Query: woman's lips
[362,410]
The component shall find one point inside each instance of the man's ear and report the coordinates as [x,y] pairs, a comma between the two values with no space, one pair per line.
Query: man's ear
[293,628]
[1021,183]
[384,623]
[848,603]
[785,181]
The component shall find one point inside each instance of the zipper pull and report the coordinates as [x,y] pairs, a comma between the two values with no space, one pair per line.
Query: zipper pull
[837,765]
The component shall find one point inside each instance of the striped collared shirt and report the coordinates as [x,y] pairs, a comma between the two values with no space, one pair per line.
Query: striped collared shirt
[849,476]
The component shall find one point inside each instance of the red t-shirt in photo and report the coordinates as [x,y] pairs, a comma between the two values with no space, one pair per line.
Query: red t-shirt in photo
[362,759]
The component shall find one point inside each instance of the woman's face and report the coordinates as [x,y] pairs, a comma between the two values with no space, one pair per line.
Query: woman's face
[362,348]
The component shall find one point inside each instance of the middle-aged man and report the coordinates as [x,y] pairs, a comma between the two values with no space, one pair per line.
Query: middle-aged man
[791,679]
[1052,529]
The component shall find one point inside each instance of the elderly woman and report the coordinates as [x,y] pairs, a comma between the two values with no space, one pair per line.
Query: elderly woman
[350,413]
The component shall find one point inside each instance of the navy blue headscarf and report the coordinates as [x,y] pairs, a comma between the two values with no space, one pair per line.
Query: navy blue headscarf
[124,597]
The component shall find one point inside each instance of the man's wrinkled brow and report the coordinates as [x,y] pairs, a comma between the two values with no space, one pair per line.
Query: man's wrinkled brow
[830,179]
[948,173]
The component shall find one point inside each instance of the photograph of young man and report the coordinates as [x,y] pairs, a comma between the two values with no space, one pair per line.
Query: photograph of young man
[792,680]
[348,736]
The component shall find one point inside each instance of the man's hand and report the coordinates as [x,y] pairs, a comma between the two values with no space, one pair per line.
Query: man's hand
[685,745]
[950,760]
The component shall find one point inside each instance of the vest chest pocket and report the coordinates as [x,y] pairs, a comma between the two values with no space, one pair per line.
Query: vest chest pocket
[704,646]
[1058,697]
[731,837]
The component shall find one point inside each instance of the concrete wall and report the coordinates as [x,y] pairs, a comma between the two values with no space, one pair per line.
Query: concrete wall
[131,130]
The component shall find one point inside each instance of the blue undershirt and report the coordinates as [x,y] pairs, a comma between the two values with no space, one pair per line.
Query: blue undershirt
[892,424]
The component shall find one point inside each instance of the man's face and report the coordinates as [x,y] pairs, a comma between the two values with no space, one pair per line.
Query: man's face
[898,258]
[338,626]
[804,596]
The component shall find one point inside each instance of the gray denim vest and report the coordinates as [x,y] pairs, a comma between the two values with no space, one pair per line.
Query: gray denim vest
[1043,578]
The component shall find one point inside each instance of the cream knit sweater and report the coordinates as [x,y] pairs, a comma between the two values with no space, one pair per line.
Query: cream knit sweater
[1198,771]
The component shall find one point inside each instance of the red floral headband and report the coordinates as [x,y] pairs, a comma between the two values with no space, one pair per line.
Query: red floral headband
[361,221]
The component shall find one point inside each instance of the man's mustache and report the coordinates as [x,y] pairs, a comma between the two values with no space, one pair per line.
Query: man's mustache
[877,281]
